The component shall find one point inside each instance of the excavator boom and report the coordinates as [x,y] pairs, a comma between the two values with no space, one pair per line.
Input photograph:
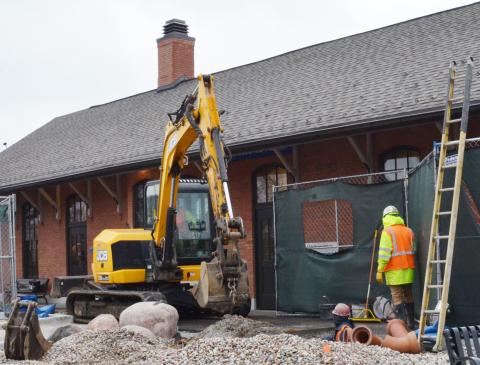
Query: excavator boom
[223,283]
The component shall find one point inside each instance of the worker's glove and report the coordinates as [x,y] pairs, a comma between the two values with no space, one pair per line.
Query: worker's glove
[379,277]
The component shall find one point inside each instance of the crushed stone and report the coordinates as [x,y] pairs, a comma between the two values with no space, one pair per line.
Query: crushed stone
[238,326]
[233,340]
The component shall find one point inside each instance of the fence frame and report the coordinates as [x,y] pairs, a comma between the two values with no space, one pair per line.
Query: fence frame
[10,202]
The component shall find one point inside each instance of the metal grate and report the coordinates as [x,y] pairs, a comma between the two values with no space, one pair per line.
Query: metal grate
[328,225]
[8,289]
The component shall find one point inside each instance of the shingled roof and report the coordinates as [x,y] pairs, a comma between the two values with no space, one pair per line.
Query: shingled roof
[384,74]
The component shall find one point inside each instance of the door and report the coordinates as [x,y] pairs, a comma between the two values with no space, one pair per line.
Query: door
[30,242]
[264,243]
[264,180]
[76,236]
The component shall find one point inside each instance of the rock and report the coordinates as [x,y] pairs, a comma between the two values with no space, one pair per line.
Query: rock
[64,331]
[103,322]
[159,318]
[139,330]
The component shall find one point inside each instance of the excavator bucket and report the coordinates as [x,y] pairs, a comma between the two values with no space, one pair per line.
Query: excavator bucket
[219,294]
[23,337]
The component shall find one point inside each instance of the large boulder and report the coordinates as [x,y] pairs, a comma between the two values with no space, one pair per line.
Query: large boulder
[103,322]
[64,331]
[138,330]
[160,318]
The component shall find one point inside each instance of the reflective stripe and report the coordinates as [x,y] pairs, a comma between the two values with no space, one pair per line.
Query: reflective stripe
[384,257]
[386,249]
[401,253]
[392,236]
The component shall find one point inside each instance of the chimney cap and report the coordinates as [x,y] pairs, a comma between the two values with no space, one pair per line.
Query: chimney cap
[175,28]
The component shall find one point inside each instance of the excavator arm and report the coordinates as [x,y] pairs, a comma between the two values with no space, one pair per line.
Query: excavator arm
[223,283]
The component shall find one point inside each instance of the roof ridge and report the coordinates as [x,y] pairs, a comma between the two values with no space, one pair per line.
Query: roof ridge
[348,36]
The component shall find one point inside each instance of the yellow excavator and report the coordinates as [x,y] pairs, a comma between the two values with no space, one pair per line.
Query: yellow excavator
[132,265]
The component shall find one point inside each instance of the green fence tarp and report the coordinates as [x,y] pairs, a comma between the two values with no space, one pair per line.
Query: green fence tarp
[305,278]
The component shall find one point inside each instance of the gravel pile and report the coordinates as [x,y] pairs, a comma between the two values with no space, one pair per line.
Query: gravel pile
[230,341]
[107,347]
[238,326]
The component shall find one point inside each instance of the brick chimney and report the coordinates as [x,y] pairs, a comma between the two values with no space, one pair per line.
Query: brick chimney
[175,53]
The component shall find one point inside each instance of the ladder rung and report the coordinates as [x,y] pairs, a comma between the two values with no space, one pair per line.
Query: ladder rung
[454,100]
[444,237]
[445,213]
[432,311]
[452,143]
[443,190]
[452,166]
[435,286]
[457,120]
[438,261]
[425,337]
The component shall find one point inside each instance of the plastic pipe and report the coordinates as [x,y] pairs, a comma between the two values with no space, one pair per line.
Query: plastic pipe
[399,339]
[364,334]
[397,328]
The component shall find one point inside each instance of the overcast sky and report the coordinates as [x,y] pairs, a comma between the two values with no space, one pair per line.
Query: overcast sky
[60,56]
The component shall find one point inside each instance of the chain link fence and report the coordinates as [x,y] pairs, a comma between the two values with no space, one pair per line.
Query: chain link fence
[8,289]
[328,225]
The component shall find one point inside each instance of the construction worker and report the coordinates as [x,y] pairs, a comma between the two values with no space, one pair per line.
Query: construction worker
[396,259]
[343,324]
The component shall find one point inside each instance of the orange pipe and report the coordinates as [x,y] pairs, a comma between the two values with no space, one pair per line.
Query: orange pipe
[399,339]
[364,334]
[397,328]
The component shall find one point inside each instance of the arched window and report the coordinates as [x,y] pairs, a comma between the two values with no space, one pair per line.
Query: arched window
[265,179]
[399,158]
[30,242]
[77,210]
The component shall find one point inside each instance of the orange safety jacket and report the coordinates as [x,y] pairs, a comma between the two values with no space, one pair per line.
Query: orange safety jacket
[403,254]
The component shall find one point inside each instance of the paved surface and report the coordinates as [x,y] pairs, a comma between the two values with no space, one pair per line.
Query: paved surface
[302,325]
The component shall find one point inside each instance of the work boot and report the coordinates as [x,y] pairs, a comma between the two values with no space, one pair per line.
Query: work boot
[401,312]
[410,309]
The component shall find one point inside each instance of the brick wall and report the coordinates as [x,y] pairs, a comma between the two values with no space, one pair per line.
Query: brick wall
[323,159]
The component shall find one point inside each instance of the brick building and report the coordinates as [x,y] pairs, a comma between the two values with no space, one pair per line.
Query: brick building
[365,103]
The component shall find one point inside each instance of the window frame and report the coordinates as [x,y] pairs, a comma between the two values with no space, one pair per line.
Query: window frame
[391,154]
[265,169]
[26,226]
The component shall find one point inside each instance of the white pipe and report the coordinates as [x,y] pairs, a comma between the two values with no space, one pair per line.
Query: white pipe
[227,198]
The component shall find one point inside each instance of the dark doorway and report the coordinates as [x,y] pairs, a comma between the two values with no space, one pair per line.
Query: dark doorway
[76,236]
[30,242]
[264,180]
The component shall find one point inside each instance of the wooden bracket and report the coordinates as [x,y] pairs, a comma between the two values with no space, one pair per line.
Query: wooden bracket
[55,203]
[287,164]
[115,195]
[86,198]
[199,167]
[30,200]
[367,159]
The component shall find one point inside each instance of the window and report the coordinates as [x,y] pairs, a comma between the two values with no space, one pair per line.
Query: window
[77,210]
[327,225]
[139,204]
[399,159]
[265,179]
[30,242]
[150,207]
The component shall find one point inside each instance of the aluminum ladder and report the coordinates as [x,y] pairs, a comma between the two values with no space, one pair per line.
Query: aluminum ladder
[453,194]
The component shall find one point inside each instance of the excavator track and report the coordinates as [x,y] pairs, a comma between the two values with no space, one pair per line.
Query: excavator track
[85,305]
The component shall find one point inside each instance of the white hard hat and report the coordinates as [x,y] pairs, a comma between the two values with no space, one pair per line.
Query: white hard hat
[390,210]
[342,310]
